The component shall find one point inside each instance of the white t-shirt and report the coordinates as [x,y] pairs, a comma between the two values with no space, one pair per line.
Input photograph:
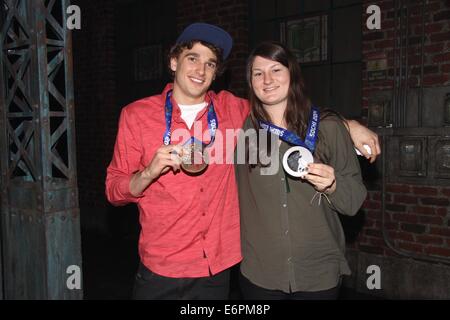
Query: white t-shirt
[189,112]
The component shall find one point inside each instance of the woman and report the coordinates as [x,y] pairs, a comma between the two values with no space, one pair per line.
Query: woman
[292,240]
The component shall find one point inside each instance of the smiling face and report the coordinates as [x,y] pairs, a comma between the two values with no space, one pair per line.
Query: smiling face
[194,70]
[270,81]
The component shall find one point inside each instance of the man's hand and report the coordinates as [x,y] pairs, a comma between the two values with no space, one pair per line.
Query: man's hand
[363,136]
[165,158]
[322,177]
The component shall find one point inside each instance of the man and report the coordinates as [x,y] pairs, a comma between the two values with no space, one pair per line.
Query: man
[190,222]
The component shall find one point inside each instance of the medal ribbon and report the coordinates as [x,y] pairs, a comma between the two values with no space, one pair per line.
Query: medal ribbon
[292,138]
[212,122]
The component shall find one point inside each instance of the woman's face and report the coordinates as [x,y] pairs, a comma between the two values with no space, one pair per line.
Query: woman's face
[270,82]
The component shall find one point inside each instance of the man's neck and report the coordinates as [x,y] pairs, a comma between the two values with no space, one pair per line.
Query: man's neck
[181,98]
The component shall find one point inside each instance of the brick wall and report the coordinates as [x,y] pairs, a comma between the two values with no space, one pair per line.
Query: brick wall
[416,220]
[231,15]
[417,217]
[437,44]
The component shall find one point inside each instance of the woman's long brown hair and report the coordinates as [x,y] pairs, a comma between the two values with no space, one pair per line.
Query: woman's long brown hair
[298,104]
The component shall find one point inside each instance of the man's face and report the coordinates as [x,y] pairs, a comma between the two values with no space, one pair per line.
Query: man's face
[195,70]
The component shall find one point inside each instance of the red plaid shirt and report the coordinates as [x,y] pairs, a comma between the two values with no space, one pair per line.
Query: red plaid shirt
[190,224]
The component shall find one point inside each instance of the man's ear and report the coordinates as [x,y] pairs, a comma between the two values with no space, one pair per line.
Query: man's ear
[173,64]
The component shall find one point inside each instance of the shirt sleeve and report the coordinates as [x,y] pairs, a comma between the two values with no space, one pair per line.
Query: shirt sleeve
[125,161]
[237,108]
[350,191]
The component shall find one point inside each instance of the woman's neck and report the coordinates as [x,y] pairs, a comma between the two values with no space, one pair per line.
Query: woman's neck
[276,113]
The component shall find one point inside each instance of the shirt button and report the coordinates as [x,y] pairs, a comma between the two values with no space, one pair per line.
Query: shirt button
[282,179]
[289,259]
[286,232]
[201,189]
[203,214]
[284,205]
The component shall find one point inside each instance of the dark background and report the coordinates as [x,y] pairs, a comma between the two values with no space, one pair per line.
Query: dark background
[417,207]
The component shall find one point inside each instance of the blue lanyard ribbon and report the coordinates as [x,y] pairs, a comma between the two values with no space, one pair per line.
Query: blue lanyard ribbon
[291,137]
[212,122]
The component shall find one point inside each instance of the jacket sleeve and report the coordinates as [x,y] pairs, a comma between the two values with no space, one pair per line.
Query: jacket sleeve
[350,191]
[125,161]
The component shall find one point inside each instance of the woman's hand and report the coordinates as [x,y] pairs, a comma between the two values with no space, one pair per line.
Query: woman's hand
[322,177]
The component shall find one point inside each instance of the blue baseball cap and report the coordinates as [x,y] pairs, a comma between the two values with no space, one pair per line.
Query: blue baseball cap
[208,33]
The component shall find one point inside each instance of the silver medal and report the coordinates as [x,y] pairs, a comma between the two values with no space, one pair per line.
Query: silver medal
[296,160]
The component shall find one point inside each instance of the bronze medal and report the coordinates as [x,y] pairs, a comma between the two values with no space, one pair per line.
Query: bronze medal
[194,159]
